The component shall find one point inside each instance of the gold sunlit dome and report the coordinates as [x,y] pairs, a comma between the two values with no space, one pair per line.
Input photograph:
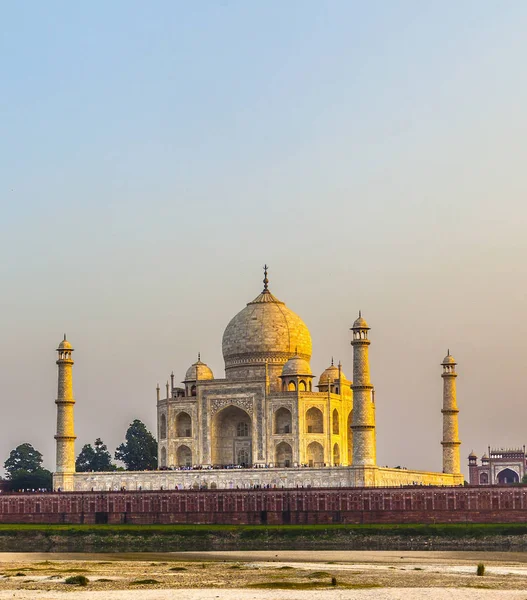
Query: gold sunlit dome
[65,345]
[472,455]
[331,374]
[449,359]
[265,331]
[296,366]
[360,323]
[199,371]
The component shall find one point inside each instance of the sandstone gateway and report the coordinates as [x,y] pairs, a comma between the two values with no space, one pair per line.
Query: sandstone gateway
[266,423]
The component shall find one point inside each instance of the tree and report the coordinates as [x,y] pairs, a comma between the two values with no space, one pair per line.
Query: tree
[94,459]
[84,461]
[23,458]
[24,469]
[24,480]
[139,452]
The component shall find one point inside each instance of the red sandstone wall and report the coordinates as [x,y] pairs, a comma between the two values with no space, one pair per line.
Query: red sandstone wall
[352,505]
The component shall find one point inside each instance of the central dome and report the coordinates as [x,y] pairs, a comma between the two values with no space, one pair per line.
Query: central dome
[265,331]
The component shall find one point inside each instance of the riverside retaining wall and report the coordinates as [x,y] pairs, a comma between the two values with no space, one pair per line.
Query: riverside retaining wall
[503,504]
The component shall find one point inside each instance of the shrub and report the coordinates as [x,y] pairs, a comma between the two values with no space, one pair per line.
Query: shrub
[77,580]
[333,581]
[145,582]
[480,571]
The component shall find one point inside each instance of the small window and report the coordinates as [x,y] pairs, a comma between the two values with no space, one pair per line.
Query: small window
[242,429]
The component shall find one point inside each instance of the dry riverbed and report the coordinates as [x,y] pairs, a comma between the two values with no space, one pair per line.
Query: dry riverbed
[265,575]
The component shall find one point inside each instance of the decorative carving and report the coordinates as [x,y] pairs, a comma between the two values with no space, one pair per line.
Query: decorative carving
[245,404]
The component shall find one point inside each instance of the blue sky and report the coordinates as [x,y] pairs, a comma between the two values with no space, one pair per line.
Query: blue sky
[155,155]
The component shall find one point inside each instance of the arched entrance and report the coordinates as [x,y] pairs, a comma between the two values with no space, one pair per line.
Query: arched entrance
[232,437]
[336,455]
[314,421]
[508,476]
[184,456]
[163,457]
[350,439]
[284,455]
[283,421]
[336,427]
[183,425]
[315,455]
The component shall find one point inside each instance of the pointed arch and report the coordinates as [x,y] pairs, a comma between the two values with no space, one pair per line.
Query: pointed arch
[183,425]
[336,455]
[335,422]
[283,455]
[315,455]
[184,456]
[283,421]
[314,420]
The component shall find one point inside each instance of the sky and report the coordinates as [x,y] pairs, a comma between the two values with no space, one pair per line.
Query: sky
[153,156]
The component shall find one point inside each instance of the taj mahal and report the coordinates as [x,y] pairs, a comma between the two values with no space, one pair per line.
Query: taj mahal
[266,422]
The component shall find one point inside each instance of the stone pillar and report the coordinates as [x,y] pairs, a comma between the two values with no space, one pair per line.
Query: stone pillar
[450,443]
[363,422]
[63,477]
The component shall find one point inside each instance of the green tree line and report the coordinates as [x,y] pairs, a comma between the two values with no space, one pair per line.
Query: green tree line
[138,452]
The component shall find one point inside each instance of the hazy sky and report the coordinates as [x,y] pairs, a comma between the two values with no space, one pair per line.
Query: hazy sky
[154,155]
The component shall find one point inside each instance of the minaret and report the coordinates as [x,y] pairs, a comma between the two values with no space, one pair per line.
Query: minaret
[451,443]
[363,423]
[65,469]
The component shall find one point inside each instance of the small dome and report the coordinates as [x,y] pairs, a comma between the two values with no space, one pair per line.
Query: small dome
[331,374]
[485,457]
[296,366]
[360,323]
[65,345]
[472,455]
[449,359]
[199,371]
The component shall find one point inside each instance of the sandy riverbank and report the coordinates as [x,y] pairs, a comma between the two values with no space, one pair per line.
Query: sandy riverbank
[266,575]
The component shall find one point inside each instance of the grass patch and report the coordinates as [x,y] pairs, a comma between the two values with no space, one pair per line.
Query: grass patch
[418,569]
[178,569]
[311,585]
[319,574]
[20,574]
[103,580]
[77,580]
[455,530]
[287,585]
[286,567]
[75,571]
[145,582]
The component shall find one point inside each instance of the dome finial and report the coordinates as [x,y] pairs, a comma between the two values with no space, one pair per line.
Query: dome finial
[64,337]
[331,361]
[360,314]
[265,281]
[448,352]
[199,356]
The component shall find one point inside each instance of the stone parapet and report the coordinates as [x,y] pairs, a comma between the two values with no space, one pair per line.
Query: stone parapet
[327,477]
